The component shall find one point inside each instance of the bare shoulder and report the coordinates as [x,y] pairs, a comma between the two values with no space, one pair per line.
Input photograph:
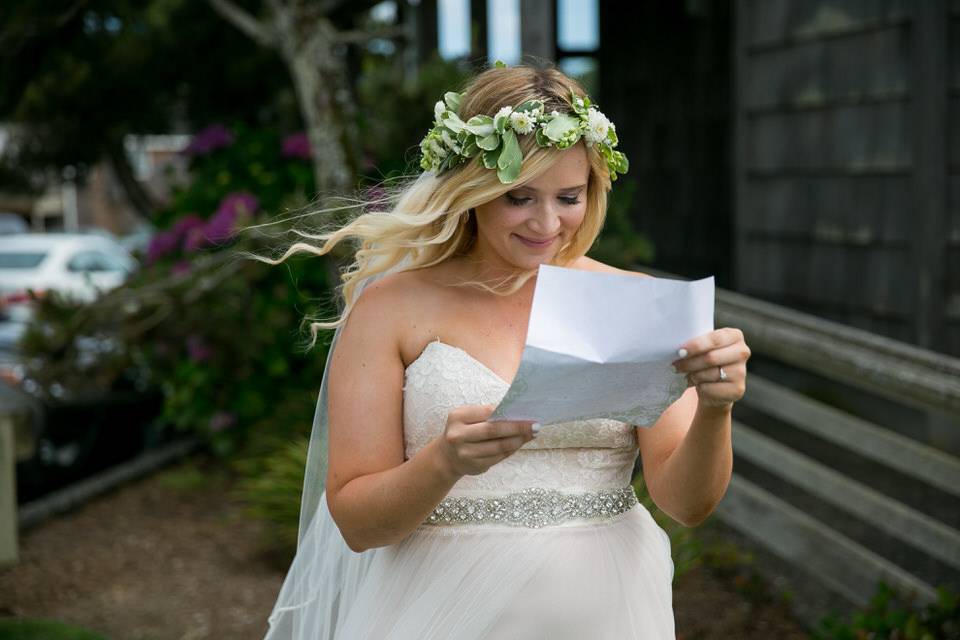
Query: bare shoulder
[400,311]
[589,264]
[385,303]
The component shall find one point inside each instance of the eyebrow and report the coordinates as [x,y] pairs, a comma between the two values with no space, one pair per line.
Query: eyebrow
[573,188]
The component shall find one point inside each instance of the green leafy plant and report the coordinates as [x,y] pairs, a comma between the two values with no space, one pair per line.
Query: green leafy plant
[272,493]
[388,131]
[891,616]
[620,244]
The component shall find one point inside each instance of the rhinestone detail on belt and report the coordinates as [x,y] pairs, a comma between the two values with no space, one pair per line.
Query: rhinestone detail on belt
[534,507]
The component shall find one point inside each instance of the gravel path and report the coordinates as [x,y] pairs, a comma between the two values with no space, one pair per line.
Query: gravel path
[156,560]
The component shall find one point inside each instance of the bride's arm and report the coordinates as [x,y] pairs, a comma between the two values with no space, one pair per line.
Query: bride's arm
[375,497]
[687,459]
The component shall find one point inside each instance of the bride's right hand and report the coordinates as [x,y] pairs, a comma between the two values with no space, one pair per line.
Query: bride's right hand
[470,445]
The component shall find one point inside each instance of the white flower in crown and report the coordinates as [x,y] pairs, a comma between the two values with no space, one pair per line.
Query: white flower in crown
[438,109]
[435,147]
[504,111]
[597,127]
[521,122]
[450,142]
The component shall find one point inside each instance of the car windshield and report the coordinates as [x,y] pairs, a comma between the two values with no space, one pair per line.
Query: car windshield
[21,260]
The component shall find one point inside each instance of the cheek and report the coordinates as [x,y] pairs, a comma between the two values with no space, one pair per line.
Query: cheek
[574,218]
[506,219]
[513,217]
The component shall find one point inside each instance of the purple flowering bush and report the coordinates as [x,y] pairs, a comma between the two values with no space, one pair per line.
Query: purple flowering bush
[236,373]
[236,172]
[296,145]
[214,137]
[214,333]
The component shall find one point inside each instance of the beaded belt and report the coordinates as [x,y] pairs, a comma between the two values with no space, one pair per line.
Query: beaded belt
[534,507]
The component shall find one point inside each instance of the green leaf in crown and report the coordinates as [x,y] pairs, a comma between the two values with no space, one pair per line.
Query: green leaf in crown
[493,139]
[561,127]
[508,164]
[452,98]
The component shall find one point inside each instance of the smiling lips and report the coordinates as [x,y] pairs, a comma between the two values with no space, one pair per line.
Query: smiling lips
[534,244]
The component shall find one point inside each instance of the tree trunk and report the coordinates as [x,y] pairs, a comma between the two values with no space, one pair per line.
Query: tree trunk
[314,68]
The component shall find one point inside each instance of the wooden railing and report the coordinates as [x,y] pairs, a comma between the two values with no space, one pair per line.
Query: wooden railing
[885,368]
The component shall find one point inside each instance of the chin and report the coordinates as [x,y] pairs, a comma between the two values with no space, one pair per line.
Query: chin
[532,261]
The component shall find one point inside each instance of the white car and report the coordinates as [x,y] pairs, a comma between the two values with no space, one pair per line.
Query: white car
[77,264]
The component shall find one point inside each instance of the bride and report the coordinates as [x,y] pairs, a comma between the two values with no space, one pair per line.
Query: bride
[421,519]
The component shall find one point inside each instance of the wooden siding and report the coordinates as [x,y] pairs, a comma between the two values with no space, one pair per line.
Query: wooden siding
[843,206]
[952,302]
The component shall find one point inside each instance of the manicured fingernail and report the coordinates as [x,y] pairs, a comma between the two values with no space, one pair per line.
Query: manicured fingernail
[682,353]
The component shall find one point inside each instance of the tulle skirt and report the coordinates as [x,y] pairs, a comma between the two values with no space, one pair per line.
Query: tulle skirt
[599,579]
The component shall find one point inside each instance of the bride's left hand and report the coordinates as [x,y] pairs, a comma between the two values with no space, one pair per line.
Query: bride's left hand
[705,355]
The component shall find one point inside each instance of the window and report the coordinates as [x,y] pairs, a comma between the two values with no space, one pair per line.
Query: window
[94,261]
[578,27]
[453,24]
[578,39]
[503,31]
[21,260]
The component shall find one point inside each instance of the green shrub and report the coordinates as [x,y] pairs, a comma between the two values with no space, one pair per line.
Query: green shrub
[274,495]
[890,616]
[620,244]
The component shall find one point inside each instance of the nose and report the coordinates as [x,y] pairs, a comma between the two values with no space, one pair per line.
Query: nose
[547,222]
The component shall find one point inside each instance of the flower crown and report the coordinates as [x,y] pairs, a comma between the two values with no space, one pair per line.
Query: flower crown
[451,141]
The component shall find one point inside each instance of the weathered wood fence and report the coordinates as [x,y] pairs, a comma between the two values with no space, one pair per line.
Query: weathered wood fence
[920,378]
[892,507]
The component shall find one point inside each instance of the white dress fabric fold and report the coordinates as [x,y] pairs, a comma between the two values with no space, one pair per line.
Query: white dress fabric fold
[600,576]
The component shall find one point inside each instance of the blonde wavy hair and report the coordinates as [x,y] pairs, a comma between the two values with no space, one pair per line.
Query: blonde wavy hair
[430,218]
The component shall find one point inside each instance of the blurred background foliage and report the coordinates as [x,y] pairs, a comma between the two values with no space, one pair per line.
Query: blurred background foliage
[79,76]
[214,332]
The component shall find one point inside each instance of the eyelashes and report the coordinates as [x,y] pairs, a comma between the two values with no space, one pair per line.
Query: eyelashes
[519,202]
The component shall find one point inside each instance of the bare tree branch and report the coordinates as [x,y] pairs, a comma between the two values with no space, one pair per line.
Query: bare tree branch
[256,30]
[285,20]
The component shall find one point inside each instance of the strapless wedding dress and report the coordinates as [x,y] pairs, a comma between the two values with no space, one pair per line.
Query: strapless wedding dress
[549,543]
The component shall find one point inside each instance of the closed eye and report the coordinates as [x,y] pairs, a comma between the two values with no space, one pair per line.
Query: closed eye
[519,202]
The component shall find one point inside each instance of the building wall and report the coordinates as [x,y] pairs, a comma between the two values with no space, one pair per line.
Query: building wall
[952,302]
[841,162]
[665,82]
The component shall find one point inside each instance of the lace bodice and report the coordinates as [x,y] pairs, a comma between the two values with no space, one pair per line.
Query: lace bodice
[583,455]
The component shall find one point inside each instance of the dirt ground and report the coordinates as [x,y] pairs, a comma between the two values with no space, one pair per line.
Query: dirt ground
[167,559]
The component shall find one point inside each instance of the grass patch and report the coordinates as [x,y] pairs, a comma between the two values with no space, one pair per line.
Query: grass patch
[37,629]
[191,475]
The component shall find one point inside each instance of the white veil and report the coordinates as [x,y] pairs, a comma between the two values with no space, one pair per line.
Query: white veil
[325,571]
[315,473]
